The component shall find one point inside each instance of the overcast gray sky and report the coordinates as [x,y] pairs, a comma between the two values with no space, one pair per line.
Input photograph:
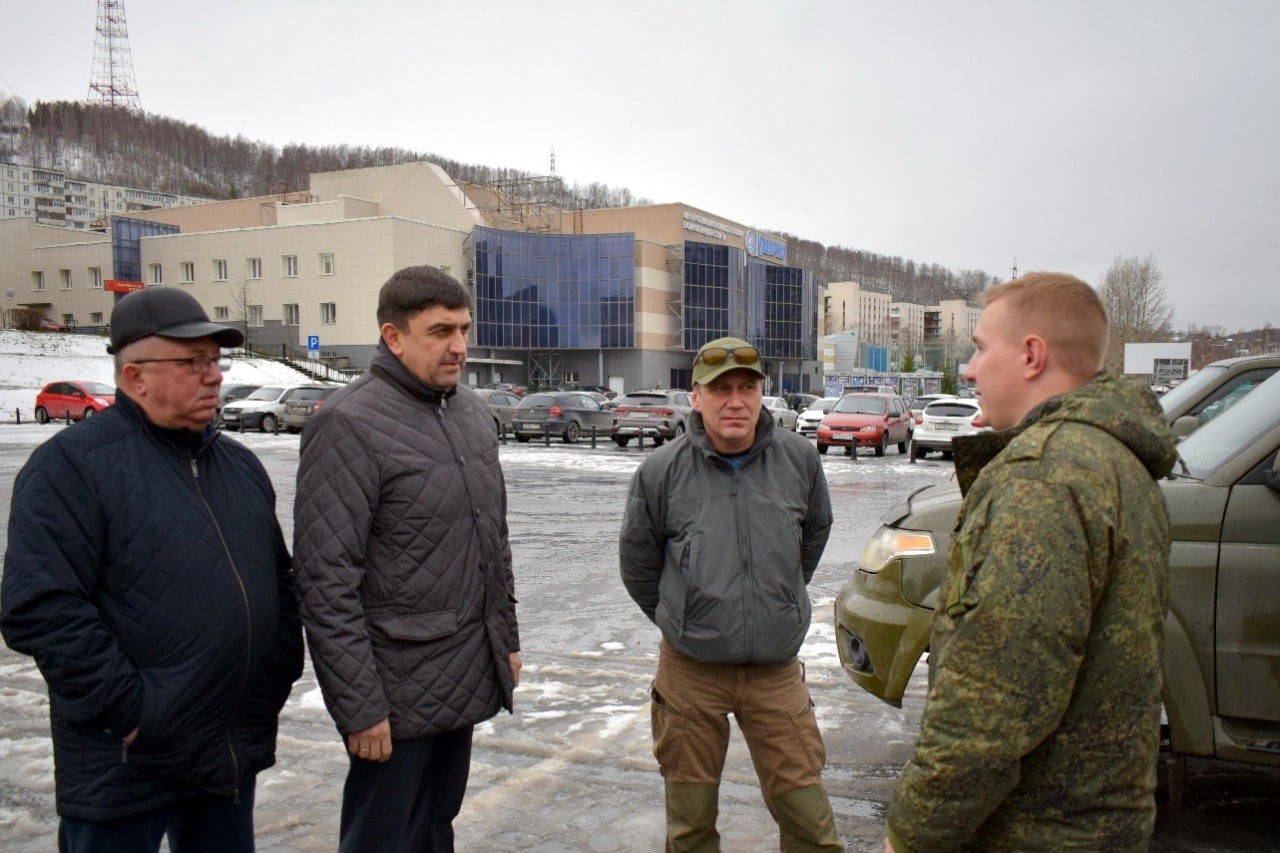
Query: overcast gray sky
[967,134]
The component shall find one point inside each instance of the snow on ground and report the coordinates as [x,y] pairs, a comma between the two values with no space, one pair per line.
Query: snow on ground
[31,360]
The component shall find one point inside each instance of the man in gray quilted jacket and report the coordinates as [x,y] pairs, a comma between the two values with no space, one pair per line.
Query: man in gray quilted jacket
[722,533]
[404,570]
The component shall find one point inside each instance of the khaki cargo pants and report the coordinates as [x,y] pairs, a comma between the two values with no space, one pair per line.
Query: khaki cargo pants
[690,711]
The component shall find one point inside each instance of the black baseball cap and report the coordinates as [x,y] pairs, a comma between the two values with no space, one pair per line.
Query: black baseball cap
[168,312]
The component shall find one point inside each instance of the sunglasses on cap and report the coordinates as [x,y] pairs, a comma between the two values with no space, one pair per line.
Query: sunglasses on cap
[713,356]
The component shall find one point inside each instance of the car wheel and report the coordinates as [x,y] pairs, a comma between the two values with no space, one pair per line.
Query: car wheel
[268,423]
[822,448]
[902,446]
[292,430]
[657,440]
[679,429]
[523,439]
[917,452]
[882,444]
[42,416]
[622,440]
[572,432]
[88,413]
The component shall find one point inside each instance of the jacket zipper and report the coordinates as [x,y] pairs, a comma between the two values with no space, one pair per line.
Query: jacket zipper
[248,621]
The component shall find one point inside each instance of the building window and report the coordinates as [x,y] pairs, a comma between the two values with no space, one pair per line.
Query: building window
[157,273]
[328,313]
[220,269]
[221,312]
[188,272]
[255,315]
[291,316]
[289,266]
[326,263]
[95,318]
[64,279]
[255,267]
[37,280]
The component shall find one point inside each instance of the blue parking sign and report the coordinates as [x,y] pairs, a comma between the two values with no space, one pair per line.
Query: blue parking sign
[313,342]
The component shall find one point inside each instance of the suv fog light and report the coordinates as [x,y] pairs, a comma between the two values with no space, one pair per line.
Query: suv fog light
[858,657]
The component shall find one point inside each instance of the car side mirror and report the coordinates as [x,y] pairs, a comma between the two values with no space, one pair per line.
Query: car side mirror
[1272,477]
[1184,426]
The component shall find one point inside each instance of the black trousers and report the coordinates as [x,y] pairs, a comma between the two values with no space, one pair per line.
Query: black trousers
[200,824]
[406,804]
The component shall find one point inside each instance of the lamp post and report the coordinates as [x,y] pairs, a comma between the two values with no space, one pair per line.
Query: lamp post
[8,315]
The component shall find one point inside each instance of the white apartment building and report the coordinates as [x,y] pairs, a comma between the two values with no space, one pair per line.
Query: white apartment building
[50,197]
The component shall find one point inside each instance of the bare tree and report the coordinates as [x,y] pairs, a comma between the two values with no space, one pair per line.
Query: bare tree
[1137,305]
[242,297]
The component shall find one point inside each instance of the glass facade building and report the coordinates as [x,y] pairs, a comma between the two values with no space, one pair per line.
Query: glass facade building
[554,291]
[726,292]
[126,244]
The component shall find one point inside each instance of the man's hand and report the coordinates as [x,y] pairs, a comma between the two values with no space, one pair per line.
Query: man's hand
[372,744]
[516,666]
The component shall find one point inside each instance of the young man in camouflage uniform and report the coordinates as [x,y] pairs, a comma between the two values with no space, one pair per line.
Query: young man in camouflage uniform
[1042,723]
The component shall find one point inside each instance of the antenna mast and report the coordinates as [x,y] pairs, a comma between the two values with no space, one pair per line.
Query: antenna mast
[111,82]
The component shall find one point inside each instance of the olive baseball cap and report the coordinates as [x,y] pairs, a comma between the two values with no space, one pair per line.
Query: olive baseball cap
[722,355]
[168,312]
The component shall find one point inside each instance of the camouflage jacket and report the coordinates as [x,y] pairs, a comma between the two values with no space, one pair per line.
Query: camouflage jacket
[1041,727]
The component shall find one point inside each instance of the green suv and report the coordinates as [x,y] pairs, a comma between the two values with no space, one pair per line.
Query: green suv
[1222,633]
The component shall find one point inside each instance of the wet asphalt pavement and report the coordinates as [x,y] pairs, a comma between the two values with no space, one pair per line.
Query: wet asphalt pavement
[572,770]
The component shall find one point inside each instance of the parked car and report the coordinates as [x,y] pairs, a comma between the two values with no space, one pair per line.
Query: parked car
[47,325]
[502,404]
[75,397]
[261,410]
[918,404]
[518,390]
[783,415]
[1212,389]
[301,403]
[808,420]
[608,392]
[231,393]
[1224,615]
[866,420]
[800,402]
[568,415]
[657,415]
[942,421]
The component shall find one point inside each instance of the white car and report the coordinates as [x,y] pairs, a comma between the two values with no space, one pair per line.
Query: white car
[783,415]
[807,422]
[942,421]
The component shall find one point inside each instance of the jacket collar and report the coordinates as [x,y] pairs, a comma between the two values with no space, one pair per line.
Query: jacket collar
[184,440]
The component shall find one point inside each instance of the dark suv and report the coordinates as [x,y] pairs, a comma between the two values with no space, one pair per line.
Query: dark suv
[656,415]
[301,403]
[1221,696]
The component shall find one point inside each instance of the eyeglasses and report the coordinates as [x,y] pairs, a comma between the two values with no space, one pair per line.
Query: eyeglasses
[713,356]
[198,364]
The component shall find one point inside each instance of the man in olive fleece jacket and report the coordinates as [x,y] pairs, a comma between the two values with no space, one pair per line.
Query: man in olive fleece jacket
[1042,722]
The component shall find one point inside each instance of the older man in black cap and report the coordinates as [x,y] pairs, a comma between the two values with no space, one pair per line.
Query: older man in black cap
[147,575]
[722,533]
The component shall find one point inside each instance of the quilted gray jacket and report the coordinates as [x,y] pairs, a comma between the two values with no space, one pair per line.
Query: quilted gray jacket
[401,556]
[719,557]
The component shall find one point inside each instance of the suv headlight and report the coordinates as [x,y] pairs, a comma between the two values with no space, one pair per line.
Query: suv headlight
[891,543]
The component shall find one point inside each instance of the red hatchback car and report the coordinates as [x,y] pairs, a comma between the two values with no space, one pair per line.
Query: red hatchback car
[79,399]
[866,420]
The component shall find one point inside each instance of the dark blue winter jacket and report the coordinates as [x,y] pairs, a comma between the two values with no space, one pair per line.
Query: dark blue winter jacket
[147,575]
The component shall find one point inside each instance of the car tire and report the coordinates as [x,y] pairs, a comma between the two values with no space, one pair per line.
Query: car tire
[679,430]
[88,413]
[268,423]
[822,449]
[882,444]
[523,439]
[657,441]
[917,452]
[42,416]
[902,446]
[572,432]
[622,440]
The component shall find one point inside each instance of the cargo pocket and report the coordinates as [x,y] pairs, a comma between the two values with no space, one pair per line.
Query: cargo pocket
[669,728]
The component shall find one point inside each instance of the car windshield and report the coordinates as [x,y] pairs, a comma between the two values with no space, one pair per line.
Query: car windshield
[267,392]
[98,389]
[854,405]
[1215,443]
[1192,389]
[823,405]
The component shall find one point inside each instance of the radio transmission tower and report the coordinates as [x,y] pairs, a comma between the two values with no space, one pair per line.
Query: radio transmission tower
[112,80]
